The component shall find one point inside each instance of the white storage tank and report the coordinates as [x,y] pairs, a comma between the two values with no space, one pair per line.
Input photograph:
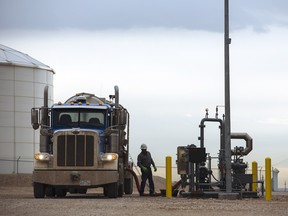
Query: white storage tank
[22,82]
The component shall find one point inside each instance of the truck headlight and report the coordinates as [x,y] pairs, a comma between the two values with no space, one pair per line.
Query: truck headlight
[42,156]
[108,157]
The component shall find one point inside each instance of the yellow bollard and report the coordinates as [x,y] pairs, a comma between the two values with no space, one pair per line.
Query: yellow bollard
[254,176]
[268,180]
[169,177]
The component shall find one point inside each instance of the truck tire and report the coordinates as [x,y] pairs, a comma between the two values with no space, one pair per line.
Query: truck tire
[120,190]
[82,190]
[128,186]
[73,190]
[60,192]
[105,191]
[112,190]
[50,191]
[39,190]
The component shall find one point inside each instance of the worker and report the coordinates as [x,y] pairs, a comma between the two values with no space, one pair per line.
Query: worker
[144,161]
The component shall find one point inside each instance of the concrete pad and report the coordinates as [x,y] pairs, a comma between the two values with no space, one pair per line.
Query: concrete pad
[228,196]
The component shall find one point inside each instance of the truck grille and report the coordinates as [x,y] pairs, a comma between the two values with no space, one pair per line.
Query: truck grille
[75,150]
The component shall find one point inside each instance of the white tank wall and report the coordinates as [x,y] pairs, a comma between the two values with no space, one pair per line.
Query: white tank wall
[21,88]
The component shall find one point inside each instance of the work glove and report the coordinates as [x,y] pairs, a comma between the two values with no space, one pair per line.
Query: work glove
[144,169]
[155,168]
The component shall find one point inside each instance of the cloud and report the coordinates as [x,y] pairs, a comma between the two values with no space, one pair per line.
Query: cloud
[126,14]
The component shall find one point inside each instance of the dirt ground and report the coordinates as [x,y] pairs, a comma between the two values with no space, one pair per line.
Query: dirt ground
[19,200]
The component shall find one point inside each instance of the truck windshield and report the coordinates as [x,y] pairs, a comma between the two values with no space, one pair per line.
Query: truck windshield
[83,118]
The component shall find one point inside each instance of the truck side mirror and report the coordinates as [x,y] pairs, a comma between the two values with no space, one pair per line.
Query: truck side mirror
[35,118]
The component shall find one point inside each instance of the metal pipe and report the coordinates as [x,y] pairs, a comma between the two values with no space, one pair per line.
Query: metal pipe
[247,138]
[222,143]
[227,134]
[209,167]
[44,119]
[18,164]
[44,140]
[202,126]
[117,113]
[128,130]
[116,96]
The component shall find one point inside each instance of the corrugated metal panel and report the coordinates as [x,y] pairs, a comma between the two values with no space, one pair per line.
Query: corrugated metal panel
[9,56]
[22,82]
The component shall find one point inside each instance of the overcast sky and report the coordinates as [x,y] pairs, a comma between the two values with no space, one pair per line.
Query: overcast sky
[167,59]
[124,14]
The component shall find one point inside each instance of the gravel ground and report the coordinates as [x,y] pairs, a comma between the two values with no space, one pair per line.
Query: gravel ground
[20,201]
[16,198]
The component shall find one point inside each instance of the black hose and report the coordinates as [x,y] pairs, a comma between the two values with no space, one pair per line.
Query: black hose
[135,178]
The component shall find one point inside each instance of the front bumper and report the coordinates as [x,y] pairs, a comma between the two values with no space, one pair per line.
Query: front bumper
[75,178]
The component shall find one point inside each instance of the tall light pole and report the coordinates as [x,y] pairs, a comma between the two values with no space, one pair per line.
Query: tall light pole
[227,130]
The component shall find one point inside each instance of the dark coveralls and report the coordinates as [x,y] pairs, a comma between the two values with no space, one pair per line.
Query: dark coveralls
[145,160]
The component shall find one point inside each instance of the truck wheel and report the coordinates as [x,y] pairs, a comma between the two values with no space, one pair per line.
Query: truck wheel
[105,190]
[50,191]
[60,192]
[112,190]
[39,190]
[82,190]
[120,190]
[73,190]
[128,186]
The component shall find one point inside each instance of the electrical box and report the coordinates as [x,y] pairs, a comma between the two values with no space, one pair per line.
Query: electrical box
[197,155]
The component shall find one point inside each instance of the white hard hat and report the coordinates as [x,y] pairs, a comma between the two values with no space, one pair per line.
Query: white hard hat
[143,146]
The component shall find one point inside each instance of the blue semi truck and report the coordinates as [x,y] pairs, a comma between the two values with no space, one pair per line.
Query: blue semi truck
[84,143]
